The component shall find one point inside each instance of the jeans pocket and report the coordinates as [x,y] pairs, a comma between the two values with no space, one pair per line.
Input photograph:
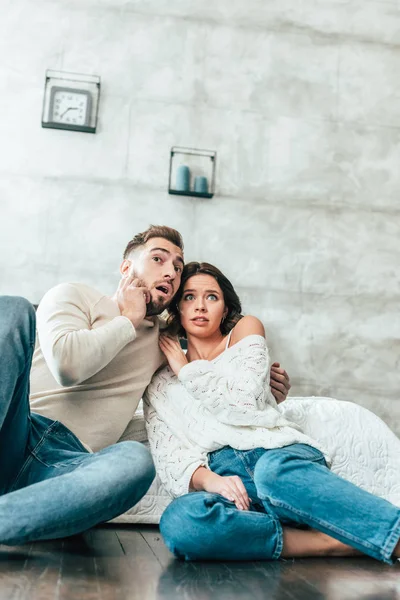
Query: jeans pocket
[58,447]
[219,457]
[305,452]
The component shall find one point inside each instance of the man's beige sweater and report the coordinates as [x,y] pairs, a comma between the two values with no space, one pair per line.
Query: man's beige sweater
[90,365]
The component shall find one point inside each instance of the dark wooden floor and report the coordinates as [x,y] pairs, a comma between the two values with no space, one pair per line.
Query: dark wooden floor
[121,562]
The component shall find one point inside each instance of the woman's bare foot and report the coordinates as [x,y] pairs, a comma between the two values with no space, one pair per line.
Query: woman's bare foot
[310,542]
[396,552]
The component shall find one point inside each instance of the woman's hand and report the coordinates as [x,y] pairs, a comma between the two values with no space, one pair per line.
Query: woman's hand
[173,352]
[230,487]
[280,383]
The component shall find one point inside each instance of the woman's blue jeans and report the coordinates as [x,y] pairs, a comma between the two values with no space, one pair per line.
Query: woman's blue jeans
[50,485]
[288,486]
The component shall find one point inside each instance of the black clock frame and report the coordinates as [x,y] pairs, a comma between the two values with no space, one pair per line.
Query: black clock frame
[70,126]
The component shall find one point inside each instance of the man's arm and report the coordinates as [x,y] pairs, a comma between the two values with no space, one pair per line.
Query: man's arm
[73,351]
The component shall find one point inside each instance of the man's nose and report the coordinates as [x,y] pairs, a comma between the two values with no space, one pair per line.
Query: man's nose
[169,271]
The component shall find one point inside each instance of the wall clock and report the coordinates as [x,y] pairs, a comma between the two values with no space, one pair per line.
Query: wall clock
[71,101]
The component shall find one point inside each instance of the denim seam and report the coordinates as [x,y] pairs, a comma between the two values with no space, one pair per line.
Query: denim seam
[22,470]
[42,439]
[249,471]
[32,455]
[329,526]
[279,544]
[31,347]
[60,464]
[239,455]
[393,538]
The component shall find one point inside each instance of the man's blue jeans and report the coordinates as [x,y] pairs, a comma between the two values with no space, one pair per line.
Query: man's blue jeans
[50,485]
[291,486]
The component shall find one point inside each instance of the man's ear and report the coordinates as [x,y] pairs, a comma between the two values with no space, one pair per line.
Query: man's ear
[124,267]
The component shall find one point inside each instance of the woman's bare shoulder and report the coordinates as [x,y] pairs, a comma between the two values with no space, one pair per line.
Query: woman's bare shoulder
[248,325]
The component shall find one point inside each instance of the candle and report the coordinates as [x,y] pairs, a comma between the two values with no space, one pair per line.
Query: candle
[201,185]
[183,178]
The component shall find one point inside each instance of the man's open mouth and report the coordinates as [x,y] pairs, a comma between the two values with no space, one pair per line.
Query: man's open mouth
[164,289]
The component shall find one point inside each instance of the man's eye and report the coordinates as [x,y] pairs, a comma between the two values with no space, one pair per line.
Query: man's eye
[178,269]
[156,259]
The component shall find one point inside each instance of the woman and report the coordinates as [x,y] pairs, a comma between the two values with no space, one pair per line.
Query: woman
[238,469]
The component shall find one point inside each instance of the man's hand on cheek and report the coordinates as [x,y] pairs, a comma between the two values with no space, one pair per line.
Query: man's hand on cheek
[133,300]
[280,382]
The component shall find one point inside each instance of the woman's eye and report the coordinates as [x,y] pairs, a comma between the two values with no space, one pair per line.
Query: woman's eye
[189,297]
[212,297]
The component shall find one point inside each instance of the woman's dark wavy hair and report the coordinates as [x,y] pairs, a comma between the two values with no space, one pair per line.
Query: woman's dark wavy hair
[231,299]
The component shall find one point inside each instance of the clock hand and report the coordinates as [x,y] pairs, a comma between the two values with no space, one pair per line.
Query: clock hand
[69,108]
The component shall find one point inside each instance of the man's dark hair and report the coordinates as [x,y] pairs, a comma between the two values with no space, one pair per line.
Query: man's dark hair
[154,231]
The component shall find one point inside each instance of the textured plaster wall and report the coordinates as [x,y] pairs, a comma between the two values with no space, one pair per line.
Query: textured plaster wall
[301,101]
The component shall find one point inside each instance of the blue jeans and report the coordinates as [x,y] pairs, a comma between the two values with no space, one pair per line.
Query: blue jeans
[50,485]
[288,486]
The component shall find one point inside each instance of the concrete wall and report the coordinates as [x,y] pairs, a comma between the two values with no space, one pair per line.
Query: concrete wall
[301,101]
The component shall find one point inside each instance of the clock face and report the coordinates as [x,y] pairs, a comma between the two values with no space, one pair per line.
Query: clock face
[70,107]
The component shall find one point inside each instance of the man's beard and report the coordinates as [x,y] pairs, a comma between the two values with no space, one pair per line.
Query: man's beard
[156,308]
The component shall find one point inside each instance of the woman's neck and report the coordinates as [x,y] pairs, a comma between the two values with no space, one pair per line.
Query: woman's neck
[205,348]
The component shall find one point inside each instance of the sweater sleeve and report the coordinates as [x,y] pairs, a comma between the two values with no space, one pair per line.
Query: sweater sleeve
[73,350]
[231,398]
[174,461]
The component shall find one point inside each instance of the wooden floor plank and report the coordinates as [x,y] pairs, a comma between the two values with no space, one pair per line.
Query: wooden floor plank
[145,569]
[133,563]
[219,581]
[342,579]
[36,568]
[117,576]
[78,575]
[208,579]
[154,539]
[13,581]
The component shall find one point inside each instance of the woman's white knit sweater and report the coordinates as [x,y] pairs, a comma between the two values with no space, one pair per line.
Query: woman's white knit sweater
[223,402]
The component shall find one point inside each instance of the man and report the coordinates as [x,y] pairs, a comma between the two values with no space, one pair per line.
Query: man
[94,357]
